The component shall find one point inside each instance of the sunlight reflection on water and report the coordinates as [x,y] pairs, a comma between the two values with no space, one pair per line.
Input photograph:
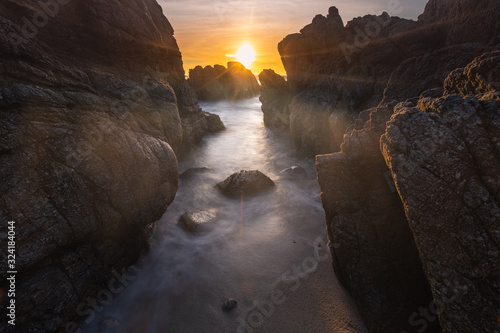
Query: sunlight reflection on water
[185,278]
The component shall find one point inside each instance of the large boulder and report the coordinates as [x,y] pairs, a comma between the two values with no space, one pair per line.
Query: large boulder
[245,183]
[92,104]
[444,157]
[219,82]
[373,251]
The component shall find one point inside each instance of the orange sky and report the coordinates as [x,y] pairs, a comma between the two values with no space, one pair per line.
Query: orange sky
[208,31]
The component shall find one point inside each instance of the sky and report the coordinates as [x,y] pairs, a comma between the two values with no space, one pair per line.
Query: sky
[209,32]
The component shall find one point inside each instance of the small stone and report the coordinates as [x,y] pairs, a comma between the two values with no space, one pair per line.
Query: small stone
[193,220]
[229,305]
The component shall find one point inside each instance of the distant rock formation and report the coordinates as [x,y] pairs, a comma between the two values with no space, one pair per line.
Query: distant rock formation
[442,152]
[93,104]
[350,67]
[218,82]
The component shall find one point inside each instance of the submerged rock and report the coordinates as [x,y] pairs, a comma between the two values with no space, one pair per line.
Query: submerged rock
[190,173]
[245,183]
[193,221]
[294,172]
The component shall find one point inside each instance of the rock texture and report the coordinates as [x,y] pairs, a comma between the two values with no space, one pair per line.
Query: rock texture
[373,250]
[444,156]
[275,97]
[442,152]
[218,82]
[352,66]
[195,221]
[93,101]
[245,183]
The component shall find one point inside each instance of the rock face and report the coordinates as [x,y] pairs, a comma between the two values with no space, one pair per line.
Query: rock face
[442,152]
[351,66]
[93,101]
[444,158]
[218,82]
[373,250]
[275,97]
[245,183]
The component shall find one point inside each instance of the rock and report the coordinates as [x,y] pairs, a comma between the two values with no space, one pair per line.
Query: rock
[229,305]
[275,98]
[373,250]
[294,172]
[91,115]
[214,123]
[190,173]
[216,83]
[245,183]
[479,77]
[315,125]
[428,72]
[371,61]
[444,157]
[193,221]
[463,22]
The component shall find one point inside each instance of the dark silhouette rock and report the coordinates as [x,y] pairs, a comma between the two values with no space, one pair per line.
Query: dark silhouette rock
[373,251]
[245,183]
[218,82]
[275,98]
[92,105]
[190,173]
[194,221]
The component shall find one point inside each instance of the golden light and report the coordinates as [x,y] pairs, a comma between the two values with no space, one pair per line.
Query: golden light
[246,55]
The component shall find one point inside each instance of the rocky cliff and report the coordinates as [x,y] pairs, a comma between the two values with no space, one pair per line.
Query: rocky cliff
[350,67]
[219,82]
[442,154]
[94,105]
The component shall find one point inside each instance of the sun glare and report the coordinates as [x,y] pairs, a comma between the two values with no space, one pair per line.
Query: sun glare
[246,55]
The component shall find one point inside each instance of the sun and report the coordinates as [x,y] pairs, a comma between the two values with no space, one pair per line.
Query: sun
[246,55]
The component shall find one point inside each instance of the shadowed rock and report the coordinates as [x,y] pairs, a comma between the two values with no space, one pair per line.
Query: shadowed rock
[352,66]
[194,221]
[444,156]
[373,251]
[245,183]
